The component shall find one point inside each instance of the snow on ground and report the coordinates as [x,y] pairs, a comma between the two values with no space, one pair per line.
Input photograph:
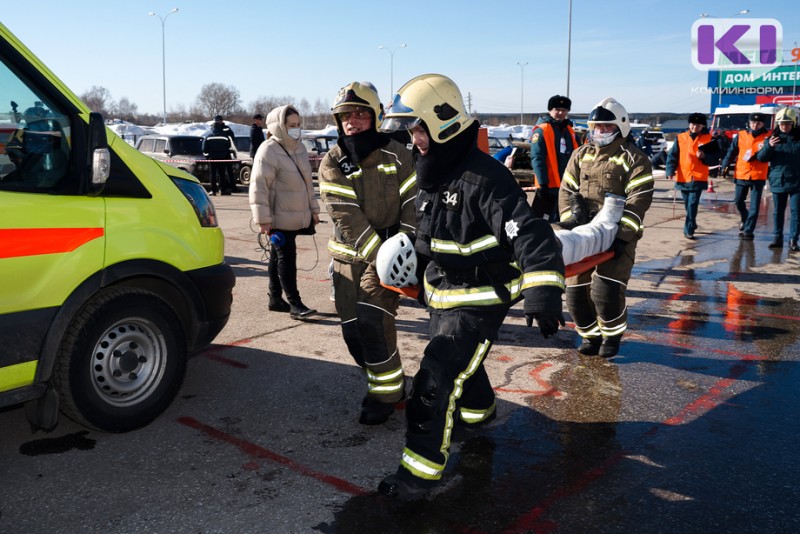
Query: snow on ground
[129,131]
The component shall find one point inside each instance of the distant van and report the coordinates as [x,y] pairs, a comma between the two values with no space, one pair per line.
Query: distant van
[112,264]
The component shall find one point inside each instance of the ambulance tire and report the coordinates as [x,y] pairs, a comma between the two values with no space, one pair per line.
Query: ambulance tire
[122,361]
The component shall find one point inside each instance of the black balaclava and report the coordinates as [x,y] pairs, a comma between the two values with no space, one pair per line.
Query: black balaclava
[362,144]
[434,168]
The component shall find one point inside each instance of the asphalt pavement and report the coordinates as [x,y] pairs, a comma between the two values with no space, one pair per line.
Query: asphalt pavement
[692,428]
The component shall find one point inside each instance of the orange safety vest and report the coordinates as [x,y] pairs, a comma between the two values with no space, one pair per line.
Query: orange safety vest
[553,177]
[690,168]
[752,169]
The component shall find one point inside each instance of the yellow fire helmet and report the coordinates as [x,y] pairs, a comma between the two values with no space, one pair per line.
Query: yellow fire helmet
[433,99]
[787,115]
[357,95]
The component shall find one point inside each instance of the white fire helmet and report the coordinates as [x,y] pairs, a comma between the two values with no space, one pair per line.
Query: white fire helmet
[609,111]
[396,262]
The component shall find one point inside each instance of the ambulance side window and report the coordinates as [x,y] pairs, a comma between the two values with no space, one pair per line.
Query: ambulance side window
[34,137]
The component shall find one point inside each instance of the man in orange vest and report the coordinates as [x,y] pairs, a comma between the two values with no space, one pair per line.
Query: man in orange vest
[687,163]
[750,174]
[552,143]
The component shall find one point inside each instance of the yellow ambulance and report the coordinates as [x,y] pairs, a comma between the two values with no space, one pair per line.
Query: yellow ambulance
[112,264]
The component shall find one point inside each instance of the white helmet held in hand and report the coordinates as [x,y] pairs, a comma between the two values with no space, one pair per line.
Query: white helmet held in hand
[609,111]
[396,262]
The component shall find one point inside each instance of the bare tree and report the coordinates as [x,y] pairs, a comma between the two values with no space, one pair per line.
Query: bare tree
[98,99]
[217,99]
[125,110]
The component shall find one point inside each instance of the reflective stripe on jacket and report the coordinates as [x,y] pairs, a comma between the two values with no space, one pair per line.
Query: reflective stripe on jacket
[374,196]
[620,169]
[487,247]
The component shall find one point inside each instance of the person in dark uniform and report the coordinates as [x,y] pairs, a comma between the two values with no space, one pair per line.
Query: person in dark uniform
[256,133]
[552,143]
[219,145]
[487,251]
[692,153]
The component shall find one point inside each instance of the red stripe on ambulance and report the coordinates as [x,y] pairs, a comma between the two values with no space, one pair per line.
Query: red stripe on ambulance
[20,242]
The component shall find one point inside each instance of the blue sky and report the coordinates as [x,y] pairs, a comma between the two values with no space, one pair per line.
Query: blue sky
[638,52]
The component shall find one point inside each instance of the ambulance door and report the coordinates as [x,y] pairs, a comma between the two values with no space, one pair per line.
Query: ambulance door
[52,236]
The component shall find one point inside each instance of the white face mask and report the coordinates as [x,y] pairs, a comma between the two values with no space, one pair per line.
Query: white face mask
[294,133]
[603,139]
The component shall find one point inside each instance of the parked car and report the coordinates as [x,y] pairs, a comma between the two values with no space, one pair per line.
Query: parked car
[243,155]
[183,152]
[317,146]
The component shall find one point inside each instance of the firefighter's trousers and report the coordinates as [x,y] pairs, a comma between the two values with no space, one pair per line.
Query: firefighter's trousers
[367,311]
[451,387]
[596,298]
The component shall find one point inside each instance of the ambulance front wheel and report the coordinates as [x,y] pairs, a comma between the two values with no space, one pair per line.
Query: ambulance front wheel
[122,361]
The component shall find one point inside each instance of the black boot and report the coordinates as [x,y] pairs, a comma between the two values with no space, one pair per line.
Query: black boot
[375,412]
[405,487]
[590,346]
[278,304]
[776,243]
[299,310]
[610,346]
[794,247]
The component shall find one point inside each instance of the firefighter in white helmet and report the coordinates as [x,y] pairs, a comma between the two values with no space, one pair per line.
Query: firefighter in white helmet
[368,184]
[782,152]
[487,251]
[609,163]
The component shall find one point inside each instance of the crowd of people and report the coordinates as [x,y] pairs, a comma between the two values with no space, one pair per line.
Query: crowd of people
[754,157]
[440,213]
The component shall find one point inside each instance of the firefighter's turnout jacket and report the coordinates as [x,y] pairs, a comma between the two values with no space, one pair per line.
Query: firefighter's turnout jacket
[596,298]
[488,251]
[368,202]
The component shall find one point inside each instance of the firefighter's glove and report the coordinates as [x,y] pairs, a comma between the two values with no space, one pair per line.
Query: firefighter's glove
[547,321]
[725,172]
[543,202]
[619,246]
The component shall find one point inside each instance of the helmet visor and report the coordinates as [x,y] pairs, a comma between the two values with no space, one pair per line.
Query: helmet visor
[601,115]
[393,124]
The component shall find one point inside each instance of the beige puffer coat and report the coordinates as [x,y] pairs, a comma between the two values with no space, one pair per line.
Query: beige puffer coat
[281,191]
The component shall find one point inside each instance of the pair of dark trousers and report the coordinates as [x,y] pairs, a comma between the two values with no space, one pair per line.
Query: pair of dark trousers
[749,216]
[221,177]
[367,311]
[283,268]
[451,385]
[691,202]
[779,203]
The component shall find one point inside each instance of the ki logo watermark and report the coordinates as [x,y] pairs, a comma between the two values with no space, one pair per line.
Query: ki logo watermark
[736,44]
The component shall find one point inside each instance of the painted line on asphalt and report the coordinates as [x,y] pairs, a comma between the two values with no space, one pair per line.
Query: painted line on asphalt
[258,452]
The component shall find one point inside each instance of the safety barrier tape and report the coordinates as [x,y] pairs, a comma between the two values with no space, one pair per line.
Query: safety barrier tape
[201,160]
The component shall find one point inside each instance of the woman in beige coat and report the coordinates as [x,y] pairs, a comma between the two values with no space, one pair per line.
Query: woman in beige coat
[283,203]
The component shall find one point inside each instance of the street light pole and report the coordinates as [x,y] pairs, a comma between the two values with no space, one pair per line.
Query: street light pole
[164,57]
[391,67]
[569,43]
[521,89]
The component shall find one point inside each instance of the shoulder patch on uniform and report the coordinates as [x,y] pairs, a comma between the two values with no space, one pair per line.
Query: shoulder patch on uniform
[535,138]
[512,229]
